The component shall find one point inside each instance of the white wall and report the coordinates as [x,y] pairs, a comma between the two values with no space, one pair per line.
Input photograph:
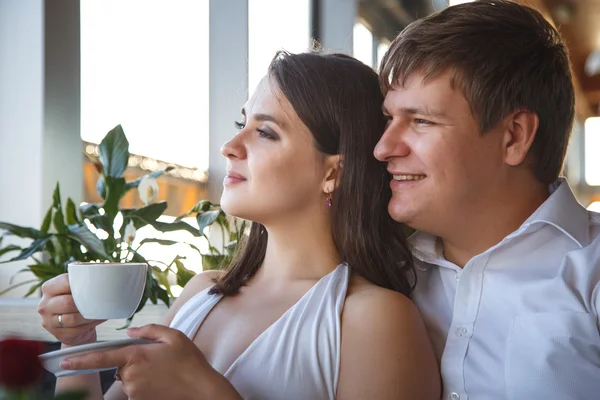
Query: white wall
[39,112]
[21,116]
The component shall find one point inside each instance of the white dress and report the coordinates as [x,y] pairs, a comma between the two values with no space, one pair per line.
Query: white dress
[298,356]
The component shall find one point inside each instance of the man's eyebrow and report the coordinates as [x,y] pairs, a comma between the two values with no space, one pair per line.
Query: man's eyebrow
[425,111]
[428,111]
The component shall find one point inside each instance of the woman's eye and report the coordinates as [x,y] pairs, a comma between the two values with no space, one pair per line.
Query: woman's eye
[266,135]
[238,125]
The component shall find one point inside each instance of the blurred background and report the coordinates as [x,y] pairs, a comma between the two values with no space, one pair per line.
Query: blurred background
[175,74]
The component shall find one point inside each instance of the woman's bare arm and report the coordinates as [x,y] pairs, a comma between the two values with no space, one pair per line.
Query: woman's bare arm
[91,382]
[386,352]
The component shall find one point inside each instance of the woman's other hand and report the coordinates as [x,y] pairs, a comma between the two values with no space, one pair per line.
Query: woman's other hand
[171,368]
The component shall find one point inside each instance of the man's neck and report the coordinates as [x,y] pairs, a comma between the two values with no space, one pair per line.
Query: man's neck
[484,228]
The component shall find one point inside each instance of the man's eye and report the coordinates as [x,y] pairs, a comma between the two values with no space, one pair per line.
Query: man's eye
[421,121]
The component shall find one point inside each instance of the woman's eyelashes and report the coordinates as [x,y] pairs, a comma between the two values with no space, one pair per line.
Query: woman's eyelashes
[263,132]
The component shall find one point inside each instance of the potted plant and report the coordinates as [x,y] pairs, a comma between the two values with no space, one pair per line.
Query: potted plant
[105,232]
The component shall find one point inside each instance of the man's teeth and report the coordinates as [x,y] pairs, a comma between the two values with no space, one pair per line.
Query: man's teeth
[408,177]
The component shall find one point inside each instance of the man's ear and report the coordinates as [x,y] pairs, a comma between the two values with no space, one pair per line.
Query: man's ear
[521,129]
[333,165]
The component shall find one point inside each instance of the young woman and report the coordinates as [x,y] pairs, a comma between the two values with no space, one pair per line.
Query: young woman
[315,305]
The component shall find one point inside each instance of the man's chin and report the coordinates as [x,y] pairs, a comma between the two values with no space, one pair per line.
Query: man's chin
[398,214]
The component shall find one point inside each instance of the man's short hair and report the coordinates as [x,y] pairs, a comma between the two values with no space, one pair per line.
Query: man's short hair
[504,57]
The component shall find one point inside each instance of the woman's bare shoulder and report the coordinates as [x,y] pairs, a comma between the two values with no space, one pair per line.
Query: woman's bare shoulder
[385,352]
[363,294]
[197,284]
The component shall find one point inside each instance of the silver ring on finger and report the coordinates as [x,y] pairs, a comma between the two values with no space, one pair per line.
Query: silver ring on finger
[60,321]
[117,376]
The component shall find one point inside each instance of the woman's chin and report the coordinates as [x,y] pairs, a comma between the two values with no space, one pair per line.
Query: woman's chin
[233,208]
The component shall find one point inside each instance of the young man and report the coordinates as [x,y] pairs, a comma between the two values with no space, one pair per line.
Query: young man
[481,104]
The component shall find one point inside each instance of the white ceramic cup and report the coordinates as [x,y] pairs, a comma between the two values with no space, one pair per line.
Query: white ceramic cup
[107,290]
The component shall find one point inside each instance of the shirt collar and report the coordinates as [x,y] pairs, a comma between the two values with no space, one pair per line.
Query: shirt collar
[563,211]
[560,210]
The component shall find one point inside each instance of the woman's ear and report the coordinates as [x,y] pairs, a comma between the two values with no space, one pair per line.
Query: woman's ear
[333,168]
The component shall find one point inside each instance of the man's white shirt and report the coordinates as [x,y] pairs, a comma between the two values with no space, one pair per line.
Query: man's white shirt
[519,321]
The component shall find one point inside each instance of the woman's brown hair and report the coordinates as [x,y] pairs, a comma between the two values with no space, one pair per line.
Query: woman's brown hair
[339,99]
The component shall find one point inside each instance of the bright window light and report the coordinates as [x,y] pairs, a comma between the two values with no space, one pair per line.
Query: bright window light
[363,44]
[382,48]
[595,206]
[455,2]
[274,25]
[592,146]
[144,65]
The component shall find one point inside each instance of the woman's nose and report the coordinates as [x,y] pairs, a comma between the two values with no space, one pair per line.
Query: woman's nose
[233,148]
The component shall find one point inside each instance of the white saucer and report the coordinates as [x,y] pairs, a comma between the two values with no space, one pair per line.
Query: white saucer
[51,361]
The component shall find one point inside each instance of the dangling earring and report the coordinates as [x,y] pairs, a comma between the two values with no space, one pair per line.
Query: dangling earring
[328,200]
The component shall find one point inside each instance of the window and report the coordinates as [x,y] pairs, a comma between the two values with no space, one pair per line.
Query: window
[592,144]
[274,25]
[144,65]
[382,48]
[363,44]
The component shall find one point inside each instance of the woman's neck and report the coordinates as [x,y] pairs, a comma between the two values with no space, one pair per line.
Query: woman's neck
[302,249]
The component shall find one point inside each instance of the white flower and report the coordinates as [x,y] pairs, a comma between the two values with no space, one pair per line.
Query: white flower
[148,190]
[129,234]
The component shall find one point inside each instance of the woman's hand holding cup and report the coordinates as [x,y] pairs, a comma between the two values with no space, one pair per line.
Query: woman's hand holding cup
[61,317]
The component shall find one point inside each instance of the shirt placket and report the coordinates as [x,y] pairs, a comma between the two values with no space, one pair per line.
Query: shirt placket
[466,306]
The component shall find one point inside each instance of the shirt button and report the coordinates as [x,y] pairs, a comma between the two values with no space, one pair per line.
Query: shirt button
[454,396]
[462,331]
[458,276]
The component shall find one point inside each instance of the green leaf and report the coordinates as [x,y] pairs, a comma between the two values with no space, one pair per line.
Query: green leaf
[101,222]
[166,242]
[23,232]
[163,296]
[114,193]
[19,272]
[175,226]
[183,274]
[83,235]
[60,252]
[101,187]
[59,222]
[223,222]
[210,262]
[130,319]
[89,209]
[36,246]
[47,220]
[207,218]
[231,247]
[162,278]
[114,153]
[201,206]
[9,248]
[150,283]
[71,213]
[46,271]
[135,183]
[56,203]
[145,215]
[3,292]
[138,258]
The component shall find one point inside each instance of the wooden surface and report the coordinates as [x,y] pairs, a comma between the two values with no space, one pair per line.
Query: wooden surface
[19,317]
